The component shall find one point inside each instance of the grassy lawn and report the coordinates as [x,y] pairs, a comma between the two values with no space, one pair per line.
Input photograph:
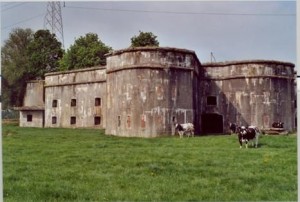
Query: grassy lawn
[86,165]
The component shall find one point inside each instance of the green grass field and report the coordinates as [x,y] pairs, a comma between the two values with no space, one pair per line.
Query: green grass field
[86,165]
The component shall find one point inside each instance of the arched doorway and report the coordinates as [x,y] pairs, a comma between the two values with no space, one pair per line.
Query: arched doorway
[212,123]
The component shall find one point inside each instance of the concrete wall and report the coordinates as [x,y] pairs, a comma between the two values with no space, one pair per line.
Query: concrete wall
[250,93]
[34,93]
[148,89]
[63,89]
[36,120]
[32,112]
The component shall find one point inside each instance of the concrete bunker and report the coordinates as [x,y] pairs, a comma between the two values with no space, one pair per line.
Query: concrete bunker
[143,91]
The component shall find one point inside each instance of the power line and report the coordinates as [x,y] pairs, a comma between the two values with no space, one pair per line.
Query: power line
[28,19]
[13,6]
[8,4]
[184,13]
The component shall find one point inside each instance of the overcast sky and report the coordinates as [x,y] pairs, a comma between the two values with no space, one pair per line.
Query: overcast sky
[231,30]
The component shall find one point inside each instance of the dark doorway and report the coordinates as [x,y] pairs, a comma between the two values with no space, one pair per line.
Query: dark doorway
[212,123]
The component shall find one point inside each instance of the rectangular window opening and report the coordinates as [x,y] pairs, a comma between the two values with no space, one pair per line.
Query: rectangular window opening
[73,120]
[54,103]
[73,102]
[211,100]
[97,101]
[119,121]
[97,120]
[29,118]
[54,120]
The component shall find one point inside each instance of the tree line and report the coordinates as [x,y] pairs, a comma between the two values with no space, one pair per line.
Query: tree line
[28,55]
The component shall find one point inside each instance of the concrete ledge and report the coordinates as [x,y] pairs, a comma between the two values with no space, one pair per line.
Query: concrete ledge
[30,108]
[241,62]
[149,67]
[75,83]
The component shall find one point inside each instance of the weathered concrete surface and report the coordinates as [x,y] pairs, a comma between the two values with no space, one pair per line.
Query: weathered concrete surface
[144,91]
[148,89]
[251,92]
[36,120]
[84,87]
[34,93]
[32,112]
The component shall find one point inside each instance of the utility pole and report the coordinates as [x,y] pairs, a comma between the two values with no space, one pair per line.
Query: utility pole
[53,20]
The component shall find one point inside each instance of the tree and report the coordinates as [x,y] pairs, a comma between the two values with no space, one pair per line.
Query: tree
[15,66]
[87,51]
[44,53]
[144,39]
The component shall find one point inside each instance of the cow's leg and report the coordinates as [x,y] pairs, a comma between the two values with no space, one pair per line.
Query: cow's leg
[241,143]
[246,144]
[256,140]
[180,134]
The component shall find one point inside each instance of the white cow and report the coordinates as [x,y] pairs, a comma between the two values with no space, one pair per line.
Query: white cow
[185,128]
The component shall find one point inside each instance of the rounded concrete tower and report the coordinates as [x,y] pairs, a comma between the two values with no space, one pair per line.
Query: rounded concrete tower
[149,89]
[256,92]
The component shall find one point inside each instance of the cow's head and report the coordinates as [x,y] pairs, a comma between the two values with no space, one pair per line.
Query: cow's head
[243,130]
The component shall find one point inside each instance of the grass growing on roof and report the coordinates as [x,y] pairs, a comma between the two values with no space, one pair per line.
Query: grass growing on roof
[86,165]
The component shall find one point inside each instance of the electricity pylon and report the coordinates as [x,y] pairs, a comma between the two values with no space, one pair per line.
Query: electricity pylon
[53,20]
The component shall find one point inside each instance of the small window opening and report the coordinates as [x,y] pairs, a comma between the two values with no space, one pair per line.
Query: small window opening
[97,120]
[97,101]
[29,118]
[211,100]
[54,103]
[73,120]
[54,120]
[119,121]
[73,102]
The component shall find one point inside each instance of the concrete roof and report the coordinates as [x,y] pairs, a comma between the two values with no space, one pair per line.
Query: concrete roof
[227,63]
[30,108]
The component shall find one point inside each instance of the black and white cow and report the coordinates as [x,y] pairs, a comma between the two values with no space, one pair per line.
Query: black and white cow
[278,124]
[246,134]
[232,127]
[185,128]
